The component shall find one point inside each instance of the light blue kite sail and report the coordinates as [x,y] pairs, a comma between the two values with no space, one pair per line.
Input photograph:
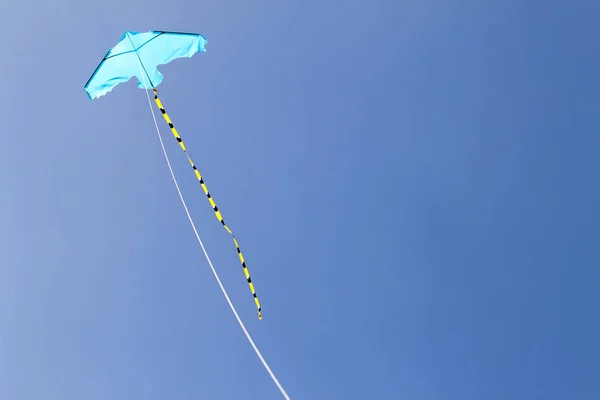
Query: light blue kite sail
[150,49]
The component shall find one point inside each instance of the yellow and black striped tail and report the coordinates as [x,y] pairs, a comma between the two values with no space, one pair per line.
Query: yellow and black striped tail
[210,199]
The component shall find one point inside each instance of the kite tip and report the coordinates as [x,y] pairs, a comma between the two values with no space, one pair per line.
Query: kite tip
[260,315]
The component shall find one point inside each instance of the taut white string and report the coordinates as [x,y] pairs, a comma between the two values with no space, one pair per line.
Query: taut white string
[273,377]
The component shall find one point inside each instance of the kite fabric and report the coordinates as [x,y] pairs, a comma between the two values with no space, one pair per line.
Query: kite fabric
[151,49]
[139,54]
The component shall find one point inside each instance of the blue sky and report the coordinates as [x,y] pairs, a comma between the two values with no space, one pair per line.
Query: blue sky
[413,184]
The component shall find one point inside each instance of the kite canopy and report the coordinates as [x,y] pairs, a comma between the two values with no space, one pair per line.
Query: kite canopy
[151,49]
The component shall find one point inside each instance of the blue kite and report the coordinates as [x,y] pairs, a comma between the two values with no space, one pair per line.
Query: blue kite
[139,55]
[148,49]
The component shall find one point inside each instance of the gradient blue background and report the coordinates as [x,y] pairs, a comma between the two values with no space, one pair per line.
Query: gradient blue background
[414,186]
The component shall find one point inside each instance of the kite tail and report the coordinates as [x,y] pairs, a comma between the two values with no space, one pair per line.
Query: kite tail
[210,199]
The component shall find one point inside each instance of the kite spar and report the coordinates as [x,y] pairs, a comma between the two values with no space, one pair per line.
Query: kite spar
[139,54]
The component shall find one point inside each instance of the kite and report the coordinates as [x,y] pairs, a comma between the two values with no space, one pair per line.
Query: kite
[139,54]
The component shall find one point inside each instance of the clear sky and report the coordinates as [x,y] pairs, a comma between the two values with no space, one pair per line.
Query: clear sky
[414,185]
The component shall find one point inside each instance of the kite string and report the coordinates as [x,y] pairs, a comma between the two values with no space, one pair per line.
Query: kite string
[258,353]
